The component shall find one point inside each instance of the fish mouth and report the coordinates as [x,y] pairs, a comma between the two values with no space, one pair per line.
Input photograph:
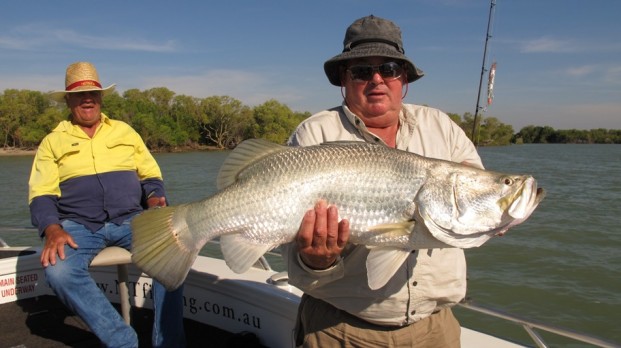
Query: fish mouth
[526,199]
[523,203]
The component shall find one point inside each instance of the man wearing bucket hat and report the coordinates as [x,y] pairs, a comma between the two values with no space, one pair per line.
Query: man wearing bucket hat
[91,175]
[338,308]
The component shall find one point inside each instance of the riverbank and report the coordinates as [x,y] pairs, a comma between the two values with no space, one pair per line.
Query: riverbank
[12,151]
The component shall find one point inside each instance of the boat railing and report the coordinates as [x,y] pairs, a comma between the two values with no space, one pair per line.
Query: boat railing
[530,326]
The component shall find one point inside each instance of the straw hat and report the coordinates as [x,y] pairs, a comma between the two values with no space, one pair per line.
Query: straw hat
[371,37]
[80,77]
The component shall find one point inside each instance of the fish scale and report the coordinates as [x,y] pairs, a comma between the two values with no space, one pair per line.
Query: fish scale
[363,203]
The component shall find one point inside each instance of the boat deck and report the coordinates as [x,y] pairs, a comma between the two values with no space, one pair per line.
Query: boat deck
[51,324]
[257,301]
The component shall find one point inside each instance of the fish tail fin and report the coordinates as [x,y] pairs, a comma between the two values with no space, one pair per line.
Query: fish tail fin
[157,250]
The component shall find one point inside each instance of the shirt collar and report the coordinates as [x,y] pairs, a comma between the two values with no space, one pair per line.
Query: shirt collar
[68,127]
[407,123]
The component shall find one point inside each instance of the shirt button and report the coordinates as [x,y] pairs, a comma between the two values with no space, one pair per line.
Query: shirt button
[414,283]
[413,312]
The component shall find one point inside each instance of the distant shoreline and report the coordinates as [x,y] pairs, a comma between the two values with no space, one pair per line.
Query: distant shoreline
[11,151]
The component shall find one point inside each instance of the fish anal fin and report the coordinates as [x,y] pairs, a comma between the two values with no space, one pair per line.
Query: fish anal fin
[382,264]
[240,254]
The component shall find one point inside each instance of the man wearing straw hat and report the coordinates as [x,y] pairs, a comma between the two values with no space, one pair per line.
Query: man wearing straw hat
[338,308]
[91,175]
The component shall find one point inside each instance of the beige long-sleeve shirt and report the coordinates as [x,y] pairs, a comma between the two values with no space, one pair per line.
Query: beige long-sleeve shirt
[429,279]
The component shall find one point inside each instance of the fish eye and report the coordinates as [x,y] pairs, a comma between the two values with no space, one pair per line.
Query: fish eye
[508,181]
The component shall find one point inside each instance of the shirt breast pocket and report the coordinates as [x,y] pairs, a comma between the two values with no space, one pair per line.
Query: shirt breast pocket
[120,155]
[69,159]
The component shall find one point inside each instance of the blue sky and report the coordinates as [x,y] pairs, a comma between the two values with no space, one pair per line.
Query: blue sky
[558,61]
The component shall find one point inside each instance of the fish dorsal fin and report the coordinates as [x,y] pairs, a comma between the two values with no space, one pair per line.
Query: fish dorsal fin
[382,264]
[243,155]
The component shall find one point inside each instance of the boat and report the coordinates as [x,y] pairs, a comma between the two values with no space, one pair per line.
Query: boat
[221,308]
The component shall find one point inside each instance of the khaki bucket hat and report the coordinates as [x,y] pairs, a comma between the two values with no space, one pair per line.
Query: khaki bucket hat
[80,77]
[371,36]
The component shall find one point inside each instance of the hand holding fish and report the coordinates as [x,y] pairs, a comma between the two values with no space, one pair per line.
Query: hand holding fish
[322,237]
[156,202]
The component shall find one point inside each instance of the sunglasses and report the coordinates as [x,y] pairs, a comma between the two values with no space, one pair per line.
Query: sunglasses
[388,71]
[85,94]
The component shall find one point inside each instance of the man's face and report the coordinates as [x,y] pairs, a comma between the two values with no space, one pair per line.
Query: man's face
[373,96]
[85,107]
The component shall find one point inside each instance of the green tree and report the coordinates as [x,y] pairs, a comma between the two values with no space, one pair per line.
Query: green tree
[148,112]
[19,108]
[186,113]
[536,134]
[167,121]
[115,106]
[526,135]
[34,132]
[224,121]
[455,118]
[468,122]
[601,136]
[494,132]
[275,121]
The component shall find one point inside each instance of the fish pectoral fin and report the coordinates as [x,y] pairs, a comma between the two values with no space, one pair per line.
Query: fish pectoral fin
[397,229]
[382,264]
[240,254]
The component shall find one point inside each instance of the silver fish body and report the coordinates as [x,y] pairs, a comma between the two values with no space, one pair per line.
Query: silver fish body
[395,201]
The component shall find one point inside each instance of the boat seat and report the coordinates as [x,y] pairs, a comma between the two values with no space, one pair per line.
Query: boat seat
[120,257]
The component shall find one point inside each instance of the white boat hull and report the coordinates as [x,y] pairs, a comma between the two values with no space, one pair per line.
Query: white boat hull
[213,295]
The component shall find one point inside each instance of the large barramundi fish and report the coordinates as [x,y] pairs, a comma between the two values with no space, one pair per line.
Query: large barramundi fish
[395,201]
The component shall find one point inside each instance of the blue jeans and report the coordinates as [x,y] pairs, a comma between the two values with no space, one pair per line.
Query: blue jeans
[73,286]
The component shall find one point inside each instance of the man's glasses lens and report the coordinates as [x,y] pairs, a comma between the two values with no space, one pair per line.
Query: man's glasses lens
[388,71]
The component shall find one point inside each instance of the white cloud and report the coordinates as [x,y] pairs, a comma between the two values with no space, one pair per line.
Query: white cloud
[579,71]
[32,37]
[249,87]
[602,75]
[547,45]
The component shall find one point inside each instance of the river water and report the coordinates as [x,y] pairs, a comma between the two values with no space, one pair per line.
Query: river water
[561,267]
